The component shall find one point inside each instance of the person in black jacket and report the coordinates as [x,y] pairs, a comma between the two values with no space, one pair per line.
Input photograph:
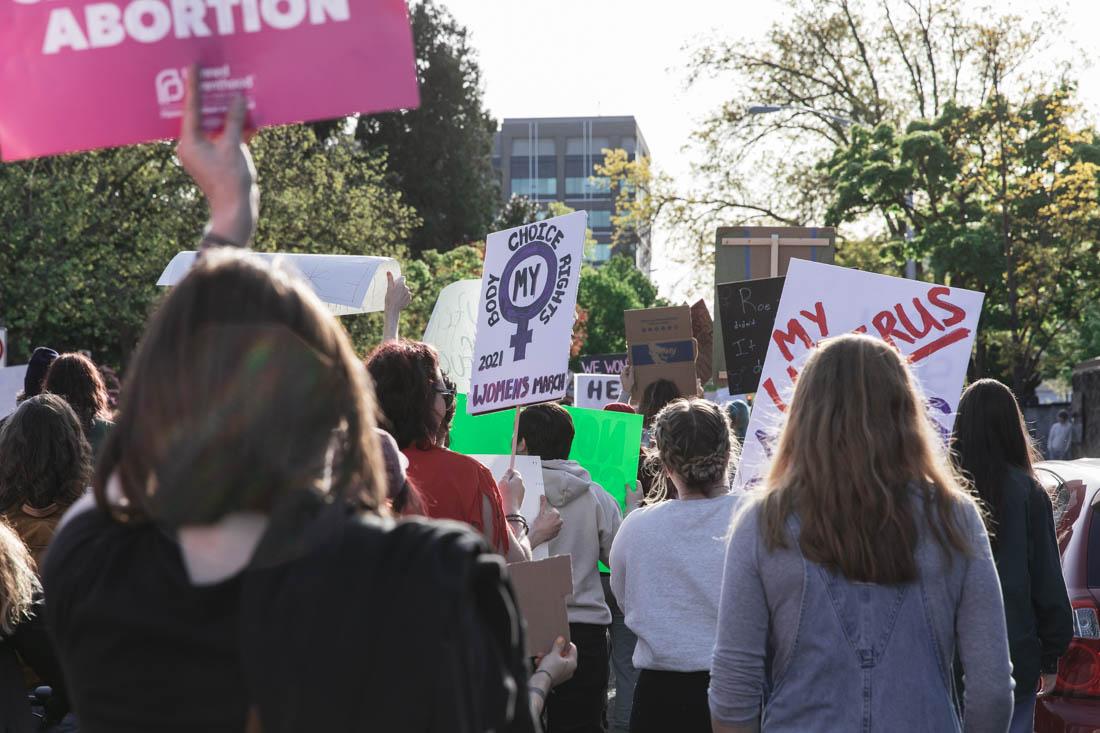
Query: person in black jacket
[993,450]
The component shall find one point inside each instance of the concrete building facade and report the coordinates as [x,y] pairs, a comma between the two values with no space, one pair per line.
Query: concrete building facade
[553,159]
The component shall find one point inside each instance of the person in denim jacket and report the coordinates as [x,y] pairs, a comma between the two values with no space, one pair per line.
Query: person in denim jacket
[860,571]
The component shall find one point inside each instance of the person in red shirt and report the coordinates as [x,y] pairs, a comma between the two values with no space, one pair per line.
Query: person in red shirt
[413,399]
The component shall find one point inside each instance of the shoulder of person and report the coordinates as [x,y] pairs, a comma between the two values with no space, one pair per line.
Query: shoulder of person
[1019,485]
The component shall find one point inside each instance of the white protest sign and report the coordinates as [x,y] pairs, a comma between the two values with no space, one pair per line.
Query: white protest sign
[932,325]
[11,384]
[530,468]
[3,347]
[526,313]
[595,390]
[347,284]
[452,328]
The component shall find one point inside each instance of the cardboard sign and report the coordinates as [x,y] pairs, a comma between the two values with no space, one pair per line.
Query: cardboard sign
[78,74]
[702,328]
[603,363]
[542,589]
[661,347]
[932,325]
[526,313]
[346,283]
[11,384]
[605,443]
[452,328]
[752,253]
[596,390]
[747,311]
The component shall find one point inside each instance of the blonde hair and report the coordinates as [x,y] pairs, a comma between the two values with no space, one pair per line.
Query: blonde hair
[856,445]
[18,580]
[693,439]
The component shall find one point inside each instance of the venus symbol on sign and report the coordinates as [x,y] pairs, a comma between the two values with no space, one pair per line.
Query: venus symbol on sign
[526,285]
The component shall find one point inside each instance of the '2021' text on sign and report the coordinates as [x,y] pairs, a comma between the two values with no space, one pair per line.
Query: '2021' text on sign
[77,75]
[932,325]
[525,319]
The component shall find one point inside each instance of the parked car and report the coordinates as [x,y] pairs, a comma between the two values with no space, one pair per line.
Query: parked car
[1074,488]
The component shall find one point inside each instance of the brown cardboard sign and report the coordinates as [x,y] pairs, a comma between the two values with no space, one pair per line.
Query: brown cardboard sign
[661,346]
[750,253]
[702,328]
[542,587]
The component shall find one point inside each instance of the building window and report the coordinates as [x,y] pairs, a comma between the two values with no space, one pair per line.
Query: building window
[587,186]
[577,145]
[534,186]
[598,219]
[601,253]
[524,146]
[630,145]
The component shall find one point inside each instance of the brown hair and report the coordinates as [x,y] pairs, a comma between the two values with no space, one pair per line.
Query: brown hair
[76,379]
[18,580]
[989,437]
[655,396]
[693,439]
[44,456]
[547,430]
[404,372]
[856,446]
[244,391]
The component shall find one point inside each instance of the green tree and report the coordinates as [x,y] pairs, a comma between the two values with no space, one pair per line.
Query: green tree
[824,66]
[85,237]
[518,211]
[604,293]
[429,274]
[440,154]
[1000,198]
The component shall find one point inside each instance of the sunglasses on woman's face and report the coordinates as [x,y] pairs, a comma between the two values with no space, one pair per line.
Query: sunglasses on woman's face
[448,394]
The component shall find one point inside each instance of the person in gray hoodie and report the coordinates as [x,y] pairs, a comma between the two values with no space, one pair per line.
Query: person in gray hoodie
[590,518]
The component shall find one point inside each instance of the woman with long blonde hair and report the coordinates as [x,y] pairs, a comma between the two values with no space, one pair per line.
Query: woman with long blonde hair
[857,574]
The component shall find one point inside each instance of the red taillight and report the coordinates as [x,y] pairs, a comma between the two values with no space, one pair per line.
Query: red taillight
[1079,667]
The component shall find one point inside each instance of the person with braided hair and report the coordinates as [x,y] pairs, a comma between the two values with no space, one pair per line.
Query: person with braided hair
[666,566]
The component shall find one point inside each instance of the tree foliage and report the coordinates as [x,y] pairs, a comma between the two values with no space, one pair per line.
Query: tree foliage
[605,292]
[934,131]
[429,274]
[999,198]
[85,237]
[440,154]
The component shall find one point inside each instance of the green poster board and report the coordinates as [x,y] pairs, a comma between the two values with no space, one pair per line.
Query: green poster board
[606,443]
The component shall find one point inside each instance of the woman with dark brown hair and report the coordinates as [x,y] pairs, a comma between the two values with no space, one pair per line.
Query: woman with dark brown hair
[236,569]
[45,465]
[857,574]
[414,399]
[993,450]
[74,378]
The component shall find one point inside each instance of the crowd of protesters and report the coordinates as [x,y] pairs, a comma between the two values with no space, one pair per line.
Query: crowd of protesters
[270,533]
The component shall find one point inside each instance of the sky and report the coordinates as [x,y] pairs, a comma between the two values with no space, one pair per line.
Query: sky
[555,58]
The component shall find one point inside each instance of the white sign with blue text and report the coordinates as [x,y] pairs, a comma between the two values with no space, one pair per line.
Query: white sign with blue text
[526,313]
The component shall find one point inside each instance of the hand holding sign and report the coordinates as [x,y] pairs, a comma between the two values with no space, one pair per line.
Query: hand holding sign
[222,167]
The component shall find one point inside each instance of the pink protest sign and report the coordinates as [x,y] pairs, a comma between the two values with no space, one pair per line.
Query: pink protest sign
[77,75]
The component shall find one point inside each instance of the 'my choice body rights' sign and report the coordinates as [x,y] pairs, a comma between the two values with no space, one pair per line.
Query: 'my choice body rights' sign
[526,313]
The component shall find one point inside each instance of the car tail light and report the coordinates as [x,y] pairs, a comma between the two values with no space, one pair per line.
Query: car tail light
[1079,667]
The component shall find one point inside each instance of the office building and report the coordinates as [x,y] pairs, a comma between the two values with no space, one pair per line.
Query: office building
[553,159]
